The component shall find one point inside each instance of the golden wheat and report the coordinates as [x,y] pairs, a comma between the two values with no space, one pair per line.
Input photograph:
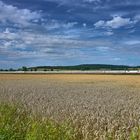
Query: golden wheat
[99,107]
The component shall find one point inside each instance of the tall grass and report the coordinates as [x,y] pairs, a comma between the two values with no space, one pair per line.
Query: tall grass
[18,124]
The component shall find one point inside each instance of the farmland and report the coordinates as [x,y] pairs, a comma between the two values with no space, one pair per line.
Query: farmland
[100,107]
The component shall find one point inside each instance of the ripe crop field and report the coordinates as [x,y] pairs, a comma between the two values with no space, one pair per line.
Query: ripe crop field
[100,107]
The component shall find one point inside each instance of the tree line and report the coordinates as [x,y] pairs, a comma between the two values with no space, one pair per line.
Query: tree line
[76,67]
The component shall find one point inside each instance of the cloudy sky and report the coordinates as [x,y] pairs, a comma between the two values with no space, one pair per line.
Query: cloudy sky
[69,32]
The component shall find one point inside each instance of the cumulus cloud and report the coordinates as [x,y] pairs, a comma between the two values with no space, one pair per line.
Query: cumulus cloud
[100,23]
[137,18]
[24,44]
[54,24]
[115,23]
[10,13]
[7,35]
[51,34]
[39,40]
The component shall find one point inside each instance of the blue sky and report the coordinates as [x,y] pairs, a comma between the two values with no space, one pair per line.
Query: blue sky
[69,32]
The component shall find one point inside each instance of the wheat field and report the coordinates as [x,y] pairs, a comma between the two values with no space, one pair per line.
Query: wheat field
[100,107]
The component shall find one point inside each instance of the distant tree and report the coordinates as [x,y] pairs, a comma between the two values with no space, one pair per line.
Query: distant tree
[24,68]
[19,69]
[35,69]
[11,69]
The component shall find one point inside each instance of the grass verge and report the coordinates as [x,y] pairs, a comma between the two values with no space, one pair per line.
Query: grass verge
[17,124]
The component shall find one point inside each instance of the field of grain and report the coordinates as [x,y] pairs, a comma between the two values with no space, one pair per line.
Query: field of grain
[100,107]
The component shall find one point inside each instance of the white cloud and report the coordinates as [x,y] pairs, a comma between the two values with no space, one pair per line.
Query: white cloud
[6,31]
[18,45]
[117,59]
[53,24]
[132,42]
[15,15]
[103,49]
[109,33]
[7,35]
[137,18]
[100,23]
[84,25]
[90,1]
[115,23]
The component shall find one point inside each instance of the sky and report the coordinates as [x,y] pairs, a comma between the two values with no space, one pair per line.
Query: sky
[69,32]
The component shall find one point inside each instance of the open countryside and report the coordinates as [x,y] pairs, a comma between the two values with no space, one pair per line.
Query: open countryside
[95,106]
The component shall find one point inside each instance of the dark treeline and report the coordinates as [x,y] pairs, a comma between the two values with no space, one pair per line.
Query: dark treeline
[87,67]
[76,67]
[8,69]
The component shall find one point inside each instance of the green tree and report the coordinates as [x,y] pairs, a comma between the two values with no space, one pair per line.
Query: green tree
[24,68]
[11,69]
[35,69]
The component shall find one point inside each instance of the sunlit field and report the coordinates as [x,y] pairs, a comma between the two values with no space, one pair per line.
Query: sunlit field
[69,107]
